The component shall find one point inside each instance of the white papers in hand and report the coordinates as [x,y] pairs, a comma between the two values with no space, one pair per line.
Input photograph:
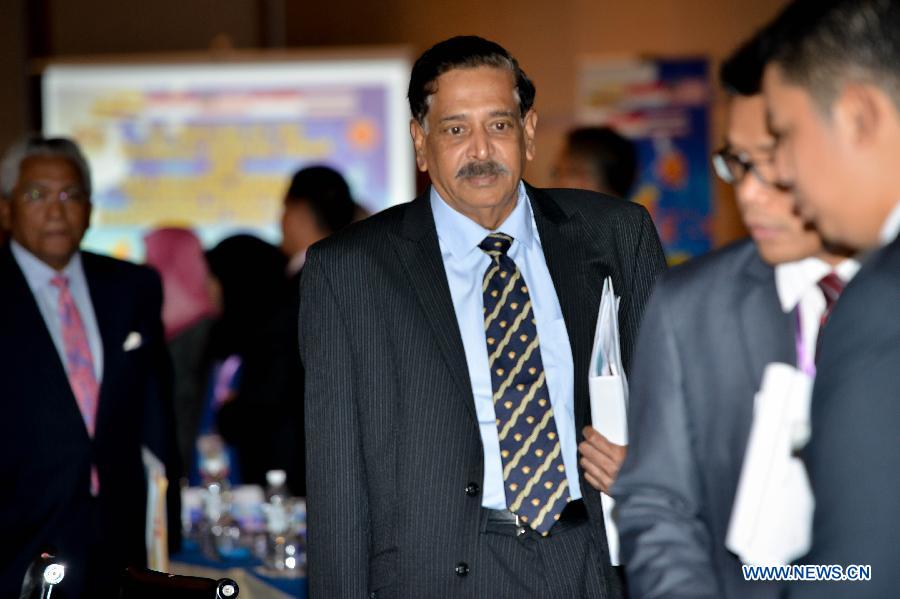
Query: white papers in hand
[771,520]
[609,395]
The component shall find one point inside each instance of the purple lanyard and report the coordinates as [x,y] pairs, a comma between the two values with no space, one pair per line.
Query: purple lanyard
[805,362]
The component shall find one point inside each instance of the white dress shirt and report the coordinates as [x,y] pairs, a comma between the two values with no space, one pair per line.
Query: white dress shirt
[797,285]
[465,264]
[38,275]
[891,227]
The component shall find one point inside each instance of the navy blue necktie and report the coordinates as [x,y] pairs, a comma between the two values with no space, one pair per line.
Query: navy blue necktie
[534,475]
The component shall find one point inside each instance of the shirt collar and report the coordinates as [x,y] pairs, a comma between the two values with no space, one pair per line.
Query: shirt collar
[295,264]
[794,279]
[37,272]
[891,228]
[461,235]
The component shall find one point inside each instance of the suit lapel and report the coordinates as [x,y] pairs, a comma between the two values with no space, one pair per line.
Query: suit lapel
[578,281]
[419,252]
[30,322]
[766,329]
[577,278]
[103,299]
[30,318]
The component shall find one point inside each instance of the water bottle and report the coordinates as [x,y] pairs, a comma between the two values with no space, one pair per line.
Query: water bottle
[276,487]
[277,522]
[220,534]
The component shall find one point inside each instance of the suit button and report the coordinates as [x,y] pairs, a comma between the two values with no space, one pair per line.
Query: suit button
[462,569]
[472,489]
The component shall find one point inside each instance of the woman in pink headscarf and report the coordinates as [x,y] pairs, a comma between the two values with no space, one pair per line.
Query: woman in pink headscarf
[188,288]
[191,300]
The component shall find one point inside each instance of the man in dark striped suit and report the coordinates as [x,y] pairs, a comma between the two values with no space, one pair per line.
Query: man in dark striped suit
[446,343]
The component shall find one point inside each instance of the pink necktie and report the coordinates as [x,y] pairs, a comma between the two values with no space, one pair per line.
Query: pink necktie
[79,363]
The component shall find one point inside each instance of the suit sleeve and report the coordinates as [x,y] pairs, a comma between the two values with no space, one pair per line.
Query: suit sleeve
[647,262]
[337,496]
[665,546]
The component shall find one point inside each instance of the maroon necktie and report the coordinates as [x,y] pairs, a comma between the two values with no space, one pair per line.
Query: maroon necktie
[831,286]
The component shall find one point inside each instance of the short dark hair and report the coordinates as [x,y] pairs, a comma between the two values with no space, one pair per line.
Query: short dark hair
[463,52]
[821,44]
[326,192]
[742,72]
[613,157]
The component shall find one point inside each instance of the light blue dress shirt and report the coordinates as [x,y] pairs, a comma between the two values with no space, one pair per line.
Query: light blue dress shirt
[465,265]
[38,275]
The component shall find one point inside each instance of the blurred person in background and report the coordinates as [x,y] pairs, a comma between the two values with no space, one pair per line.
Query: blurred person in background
[86,381]
[597,159]
[317,203]
[251,274]
[710,329]
[833,97]
[191,304]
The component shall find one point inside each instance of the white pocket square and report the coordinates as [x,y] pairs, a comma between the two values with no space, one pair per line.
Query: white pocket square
[132,341]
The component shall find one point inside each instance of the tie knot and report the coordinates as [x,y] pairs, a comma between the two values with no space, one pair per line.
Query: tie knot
[496,244]
[832,286]
[60,281]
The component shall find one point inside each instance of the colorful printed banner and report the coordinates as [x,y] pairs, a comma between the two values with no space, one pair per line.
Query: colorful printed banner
[663,106]
[213,146]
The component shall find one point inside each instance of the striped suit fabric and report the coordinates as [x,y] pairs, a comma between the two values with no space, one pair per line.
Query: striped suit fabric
[394,455]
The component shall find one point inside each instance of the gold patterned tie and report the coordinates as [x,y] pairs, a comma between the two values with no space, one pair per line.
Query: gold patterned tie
[534,476]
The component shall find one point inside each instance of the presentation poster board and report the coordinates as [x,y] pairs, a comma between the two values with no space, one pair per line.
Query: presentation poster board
[663,106]
[212,145]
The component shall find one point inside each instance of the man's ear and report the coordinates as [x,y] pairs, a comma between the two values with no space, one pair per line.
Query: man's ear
[529,126]
[860,113]
[418,138]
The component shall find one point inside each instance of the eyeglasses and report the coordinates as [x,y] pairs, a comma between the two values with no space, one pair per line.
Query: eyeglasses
[38,195]
[732,167]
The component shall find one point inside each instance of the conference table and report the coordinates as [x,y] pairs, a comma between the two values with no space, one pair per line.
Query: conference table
[254,579]
[238,556]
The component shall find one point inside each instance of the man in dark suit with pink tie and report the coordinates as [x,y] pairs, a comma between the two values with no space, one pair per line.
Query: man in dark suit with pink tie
[84,380]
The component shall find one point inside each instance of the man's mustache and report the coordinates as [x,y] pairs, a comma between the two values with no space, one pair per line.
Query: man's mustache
[481,169]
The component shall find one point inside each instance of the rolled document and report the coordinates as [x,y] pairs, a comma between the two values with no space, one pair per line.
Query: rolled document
[609,395]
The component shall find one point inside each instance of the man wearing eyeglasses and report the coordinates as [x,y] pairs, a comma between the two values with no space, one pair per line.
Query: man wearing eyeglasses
[709,330]
[83,371]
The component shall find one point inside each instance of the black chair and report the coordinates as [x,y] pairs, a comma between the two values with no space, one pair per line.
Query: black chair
[140,583]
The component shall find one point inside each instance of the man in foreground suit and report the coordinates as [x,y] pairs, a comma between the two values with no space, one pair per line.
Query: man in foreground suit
[710,329]
[82,365]
[432,403]
[834,105]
